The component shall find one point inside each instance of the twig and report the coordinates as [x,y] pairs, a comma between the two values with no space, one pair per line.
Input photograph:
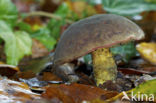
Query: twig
[50,15]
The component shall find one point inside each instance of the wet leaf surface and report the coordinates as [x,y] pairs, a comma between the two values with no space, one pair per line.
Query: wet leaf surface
[14,92]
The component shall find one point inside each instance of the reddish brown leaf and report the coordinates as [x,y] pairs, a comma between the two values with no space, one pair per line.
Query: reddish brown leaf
[76,93]
[131,71]
[25,75]
[8,70]
[150,69]
[47,76]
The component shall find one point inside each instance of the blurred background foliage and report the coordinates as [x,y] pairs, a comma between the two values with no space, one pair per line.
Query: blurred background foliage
[22,22]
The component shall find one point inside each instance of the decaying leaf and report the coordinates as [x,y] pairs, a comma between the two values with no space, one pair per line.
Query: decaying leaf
[47,76]
[76,93]
[15,92]
[147,51]
[144,92]
[8,70]
[38,49]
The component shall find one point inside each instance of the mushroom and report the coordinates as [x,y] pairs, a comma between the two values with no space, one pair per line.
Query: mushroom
[95,35]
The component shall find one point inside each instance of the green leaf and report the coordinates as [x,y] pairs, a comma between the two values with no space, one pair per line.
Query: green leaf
[126,51]
[88,59]
[55,25]
[24,26]
[1,41]
[144,93]
[146,88]
[127,7]
[8,11]
[17,44]
[43,35]
[151,1]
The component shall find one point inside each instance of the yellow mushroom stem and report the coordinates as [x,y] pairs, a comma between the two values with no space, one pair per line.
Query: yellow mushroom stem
[104,66]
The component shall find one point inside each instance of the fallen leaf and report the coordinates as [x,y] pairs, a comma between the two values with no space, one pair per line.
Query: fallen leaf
[15,92]
[8,70]
[131,71]
[76,93]
[38,49]
[34,82]
[1,62]
[150,69]
[47,76]
[147,88]
[147,51]
[50,5]
[36,65]
[143,79]
[24,75]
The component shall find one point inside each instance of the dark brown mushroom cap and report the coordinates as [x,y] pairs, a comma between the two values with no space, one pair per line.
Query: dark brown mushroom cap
[99,31]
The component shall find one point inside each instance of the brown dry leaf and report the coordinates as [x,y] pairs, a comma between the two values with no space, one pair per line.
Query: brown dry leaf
[85,79]
[150,69]
[1,62]
[24,75]
[149,16]
[15,92]
[34,21]
[8,70]
[76,93]
[131,71]
[147,51]
[47,76]
[50,5]
[38,49]
[99,9]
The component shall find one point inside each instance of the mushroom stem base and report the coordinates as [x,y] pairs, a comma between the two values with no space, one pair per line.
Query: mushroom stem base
[104,66]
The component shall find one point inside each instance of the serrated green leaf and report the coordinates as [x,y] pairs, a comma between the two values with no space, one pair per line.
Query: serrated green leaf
[127,7]
[17,44]
[43,35]
[8,11]
[126,51]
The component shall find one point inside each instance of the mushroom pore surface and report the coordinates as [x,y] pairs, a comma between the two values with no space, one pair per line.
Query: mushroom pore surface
[99,31]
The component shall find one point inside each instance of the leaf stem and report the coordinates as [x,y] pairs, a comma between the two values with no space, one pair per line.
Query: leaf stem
[50,15]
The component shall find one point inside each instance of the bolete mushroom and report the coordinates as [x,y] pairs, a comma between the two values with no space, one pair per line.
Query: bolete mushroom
[95,35]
